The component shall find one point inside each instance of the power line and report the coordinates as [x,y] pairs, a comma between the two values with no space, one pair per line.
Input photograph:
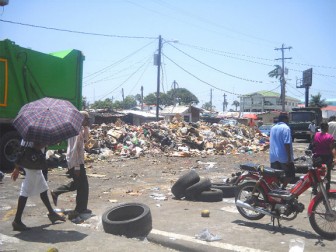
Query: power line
[77,32]
[231,75]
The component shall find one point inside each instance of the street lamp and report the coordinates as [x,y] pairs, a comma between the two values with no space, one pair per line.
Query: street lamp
[158,63]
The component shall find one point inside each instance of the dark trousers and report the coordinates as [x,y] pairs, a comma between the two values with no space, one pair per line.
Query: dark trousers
[327,160]
[79,183]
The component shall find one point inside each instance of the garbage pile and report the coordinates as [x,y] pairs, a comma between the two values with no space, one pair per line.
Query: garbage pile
[177,138]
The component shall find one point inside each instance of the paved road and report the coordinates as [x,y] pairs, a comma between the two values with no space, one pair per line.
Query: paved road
[175,224]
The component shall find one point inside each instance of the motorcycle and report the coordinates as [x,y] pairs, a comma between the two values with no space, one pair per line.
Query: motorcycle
[250,171]
[256,198]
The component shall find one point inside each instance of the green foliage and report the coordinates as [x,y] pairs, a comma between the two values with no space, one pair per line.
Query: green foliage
[275,73]
[236,104]
[208,106]
[179,96]
[106,104]
[316,101]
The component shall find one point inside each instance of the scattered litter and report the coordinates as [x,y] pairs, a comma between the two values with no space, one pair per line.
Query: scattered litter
[113,200]
[205,235]
[158,196]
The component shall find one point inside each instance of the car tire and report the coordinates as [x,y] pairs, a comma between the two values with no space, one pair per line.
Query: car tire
[227,189]
[180,186]
[192,191]
[212,195]
[128,219]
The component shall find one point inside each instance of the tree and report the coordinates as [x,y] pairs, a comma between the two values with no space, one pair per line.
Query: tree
[275,73]
[129,102]
[208,106]
[85,103]
[182,96]
[236,104]
[316,101]
[106,104]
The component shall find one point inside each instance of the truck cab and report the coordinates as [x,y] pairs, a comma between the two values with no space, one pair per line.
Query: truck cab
[299,120]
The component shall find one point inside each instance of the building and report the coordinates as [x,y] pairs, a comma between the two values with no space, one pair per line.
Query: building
[263,101]
[188,113]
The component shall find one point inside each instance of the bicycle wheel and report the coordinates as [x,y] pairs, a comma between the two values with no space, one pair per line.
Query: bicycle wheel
[244,194]
[322,222]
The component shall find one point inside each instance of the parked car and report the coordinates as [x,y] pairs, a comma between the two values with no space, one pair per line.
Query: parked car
[266,129]
[232,122]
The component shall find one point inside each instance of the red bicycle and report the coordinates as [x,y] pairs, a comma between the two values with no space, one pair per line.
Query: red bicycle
[263,196]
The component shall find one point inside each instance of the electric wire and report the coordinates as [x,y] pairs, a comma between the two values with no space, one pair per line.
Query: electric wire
[140,77]
[77,32]
[127,79]
[119,61]
[213,68]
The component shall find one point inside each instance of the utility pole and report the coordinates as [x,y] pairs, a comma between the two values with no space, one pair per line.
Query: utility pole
[282,78]
[141,98]
[174,86]
[211,99]
[158,78]
[224,102]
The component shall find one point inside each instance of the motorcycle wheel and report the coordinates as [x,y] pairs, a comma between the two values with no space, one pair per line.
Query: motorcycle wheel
[244,194]
[323,223]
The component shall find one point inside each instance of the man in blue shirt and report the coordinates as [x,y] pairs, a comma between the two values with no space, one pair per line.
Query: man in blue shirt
[281,148]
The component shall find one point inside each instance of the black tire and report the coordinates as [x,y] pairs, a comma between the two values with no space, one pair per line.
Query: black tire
[244,194]
[9,148]
[212,195]
[183,183]
[193,191]
[323,224]
[129,219]
[227,189]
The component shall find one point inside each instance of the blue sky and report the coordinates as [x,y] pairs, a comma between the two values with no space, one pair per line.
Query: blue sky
[223,45]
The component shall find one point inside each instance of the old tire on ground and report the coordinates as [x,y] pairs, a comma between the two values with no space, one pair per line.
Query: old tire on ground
[227,189]
[129,219]
[212,195]
[193,191]
[186,180]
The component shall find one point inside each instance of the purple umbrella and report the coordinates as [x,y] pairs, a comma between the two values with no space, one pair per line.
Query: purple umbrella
[48,121]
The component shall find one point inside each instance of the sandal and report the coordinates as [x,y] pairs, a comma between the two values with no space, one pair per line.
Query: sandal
[55,217]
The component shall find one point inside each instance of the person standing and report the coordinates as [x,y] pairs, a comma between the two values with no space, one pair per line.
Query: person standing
[34,183]
[281,148]
[323,144]
[332,126]
[76,169]
[312,130]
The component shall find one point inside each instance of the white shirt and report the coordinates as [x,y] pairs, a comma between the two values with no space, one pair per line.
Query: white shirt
[75,150]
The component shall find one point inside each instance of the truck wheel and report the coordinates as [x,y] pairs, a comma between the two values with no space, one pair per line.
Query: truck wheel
[9,148]
[192,191]
[128,219]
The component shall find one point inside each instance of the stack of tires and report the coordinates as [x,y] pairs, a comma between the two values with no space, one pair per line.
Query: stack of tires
[191,187]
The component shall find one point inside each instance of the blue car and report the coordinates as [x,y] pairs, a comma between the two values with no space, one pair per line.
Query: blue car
[266,129]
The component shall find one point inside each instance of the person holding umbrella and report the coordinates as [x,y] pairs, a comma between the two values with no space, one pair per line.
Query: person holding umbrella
[75,159]
[34,183]
[48,121]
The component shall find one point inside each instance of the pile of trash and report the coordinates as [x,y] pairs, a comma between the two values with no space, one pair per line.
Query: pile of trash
[175,138]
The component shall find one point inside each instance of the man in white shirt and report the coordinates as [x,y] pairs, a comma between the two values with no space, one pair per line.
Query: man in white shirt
[75,160]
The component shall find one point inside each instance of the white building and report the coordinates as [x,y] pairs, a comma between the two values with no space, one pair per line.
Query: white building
[263,101]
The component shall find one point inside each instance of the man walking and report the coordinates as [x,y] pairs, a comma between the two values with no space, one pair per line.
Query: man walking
[281,148]
[75,159]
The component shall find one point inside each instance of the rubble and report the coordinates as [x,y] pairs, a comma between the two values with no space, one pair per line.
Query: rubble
[177,138]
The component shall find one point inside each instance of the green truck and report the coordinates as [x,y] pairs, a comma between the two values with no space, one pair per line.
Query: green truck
[300,118]
[27,75]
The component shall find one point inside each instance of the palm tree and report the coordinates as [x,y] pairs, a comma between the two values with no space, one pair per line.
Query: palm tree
[236,104]
[275,73]
[316,101]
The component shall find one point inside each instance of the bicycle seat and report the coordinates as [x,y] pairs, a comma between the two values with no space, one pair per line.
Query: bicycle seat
[249,167]
[272,172]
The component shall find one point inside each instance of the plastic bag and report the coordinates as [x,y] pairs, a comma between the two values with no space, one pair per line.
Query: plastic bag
[205,235]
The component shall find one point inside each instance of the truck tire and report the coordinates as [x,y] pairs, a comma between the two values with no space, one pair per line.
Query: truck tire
[9,147]
[128,219]
[227,189]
